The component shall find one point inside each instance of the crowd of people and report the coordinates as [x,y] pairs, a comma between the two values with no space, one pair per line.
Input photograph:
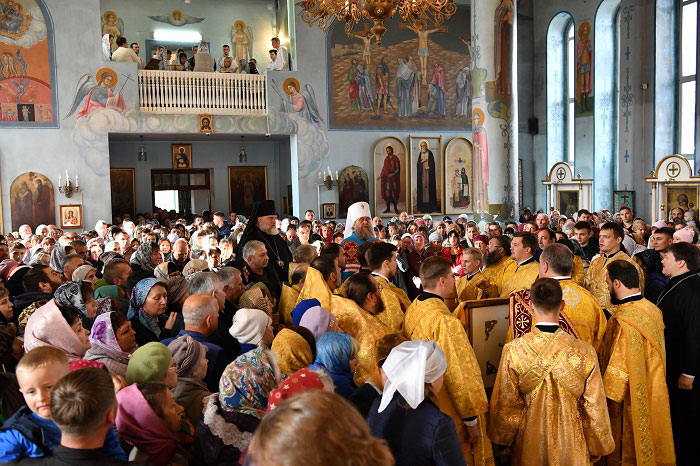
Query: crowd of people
[211,339]
[179,61]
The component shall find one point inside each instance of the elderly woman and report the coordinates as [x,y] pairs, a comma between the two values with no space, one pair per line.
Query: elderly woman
[178,291]
[417,432]
[167,270]
[85,273]
[256,298]
[232,415]
[146,306]
[252,328]
[146,257]
[319,321]
[113,342]
[78,297]
[336,353]
[190,356]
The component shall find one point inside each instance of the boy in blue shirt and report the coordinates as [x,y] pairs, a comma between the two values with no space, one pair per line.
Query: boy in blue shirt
[30,432]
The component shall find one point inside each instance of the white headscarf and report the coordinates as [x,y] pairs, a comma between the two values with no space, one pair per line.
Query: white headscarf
[355,211]
[409,367]
[106,48]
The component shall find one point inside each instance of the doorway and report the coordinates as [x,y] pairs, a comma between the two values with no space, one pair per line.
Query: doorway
[181,190]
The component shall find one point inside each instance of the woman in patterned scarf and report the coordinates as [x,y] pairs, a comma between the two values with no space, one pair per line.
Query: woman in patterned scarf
[232,415]
[147,257]
[77,296]
[146,308]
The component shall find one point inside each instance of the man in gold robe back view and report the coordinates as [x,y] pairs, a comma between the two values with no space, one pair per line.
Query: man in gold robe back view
[463,396]
[381,258]
[610,240]
[633,361]
[290,293]
[548,402]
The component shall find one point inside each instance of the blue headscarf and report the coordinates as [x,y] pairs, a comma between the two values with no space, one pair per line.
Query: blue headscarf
[301,308]
[138,297]
[333,352]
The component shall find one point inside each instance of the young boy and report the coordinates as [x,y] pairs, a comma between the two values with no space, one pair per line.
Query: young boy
[30,432]
[84,407]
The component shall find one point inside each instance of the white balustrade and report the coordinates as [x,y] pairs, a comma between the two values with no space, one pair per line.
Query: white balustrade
[190,92]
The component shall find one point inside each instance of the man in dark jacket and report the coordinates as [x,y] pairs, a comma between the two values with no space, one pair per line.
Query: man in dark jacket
[679,304]
[39,283]
[262,227]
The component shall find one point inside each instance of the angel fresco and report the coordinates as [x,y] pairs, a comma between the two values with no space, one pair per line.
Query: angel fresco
[100,93]
[301,102]
[13,21]
[177,18]
[242,40]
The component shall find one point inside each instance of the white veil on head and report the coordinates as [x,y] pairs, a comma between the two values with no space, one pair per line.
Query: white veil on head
[106,48]
[408,368]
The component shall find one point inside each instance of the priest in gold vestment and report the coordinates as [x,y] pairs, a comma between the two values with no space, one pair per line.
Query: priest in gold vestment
[472,261]
[463,396]
[358,315]
[322,277]
[633,361]
[290,293]
[522,251]
[548,402]
[610,239]
[499,265]
[381,258]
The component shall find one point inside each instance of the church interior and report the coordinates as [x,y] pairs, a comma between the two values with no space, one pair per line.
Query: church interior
[446,128]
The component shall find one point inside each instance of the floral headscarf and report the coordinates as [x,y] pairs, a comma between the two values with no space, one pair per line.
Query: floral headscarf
[102,334]
[300,381]
[138,297]
[143,257]
[69,295]
[246,383]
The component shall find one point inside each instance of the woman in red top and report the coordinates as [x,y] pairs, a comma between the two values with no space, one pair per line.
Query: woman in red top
[454,252]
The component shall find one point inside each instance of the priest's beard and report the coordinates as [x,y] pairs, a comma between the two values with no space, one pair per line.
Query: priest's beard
[273,230]
[490,258]
[364,233]
[380,305]
[613,299]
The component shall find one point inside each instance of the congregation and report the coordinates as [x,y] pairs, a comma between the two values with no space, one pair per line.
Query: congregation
[209,339]
[164,59]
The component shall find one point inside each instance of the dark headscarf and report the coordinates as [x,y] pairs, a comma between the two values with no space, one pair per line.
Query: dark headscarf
[143,257]
[651,260]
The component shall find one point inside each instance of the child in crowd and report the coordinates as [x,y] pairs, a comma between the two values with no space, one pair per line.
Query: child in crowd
[31,432]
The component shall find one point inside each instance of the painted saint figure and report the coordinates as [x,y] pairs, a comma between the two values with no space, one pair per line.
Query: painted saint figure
[99,94]
[241,40]
[503,47]
[352,85]
[436,95]
[22,206]
[382,80]
[300,105]
[364,83]
[480,161]
[405,83]
[426,177]
[422,31]
[390,179]
[463,86]
[584,66]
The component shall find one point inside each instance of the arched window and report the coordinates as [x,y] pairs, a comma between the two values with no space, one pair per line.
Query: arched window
[605,106]
[571,92]
[688,77]
[561,65]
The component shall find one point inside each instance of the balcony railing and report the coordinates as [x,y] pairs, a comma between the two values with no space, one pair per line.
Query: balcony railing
[190,92]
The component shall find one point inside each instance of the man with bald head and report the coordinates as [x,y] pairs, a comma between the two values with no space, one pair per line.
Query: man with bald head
[201,315]
[180,253]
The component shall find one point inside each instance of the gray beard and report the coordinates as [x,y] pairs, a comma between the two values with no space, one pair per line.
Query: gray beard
[491,259]
[274,231]
[364,234]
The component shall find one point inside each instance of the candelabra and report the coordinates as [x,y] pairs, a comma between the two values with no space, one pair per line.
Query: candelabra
[327,179]
[68,189]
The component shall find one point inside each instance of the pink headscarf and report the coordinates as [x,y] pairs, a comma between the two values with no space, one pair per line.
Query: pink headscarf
[48,327]
[139,425]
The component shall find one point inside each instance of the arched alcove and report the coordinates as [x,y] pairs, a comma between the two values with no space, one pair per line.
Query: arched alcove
[557,88]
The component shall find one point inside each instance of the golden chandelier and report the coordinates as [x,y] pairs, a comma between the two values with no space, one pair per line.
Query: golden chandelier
[417,13]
